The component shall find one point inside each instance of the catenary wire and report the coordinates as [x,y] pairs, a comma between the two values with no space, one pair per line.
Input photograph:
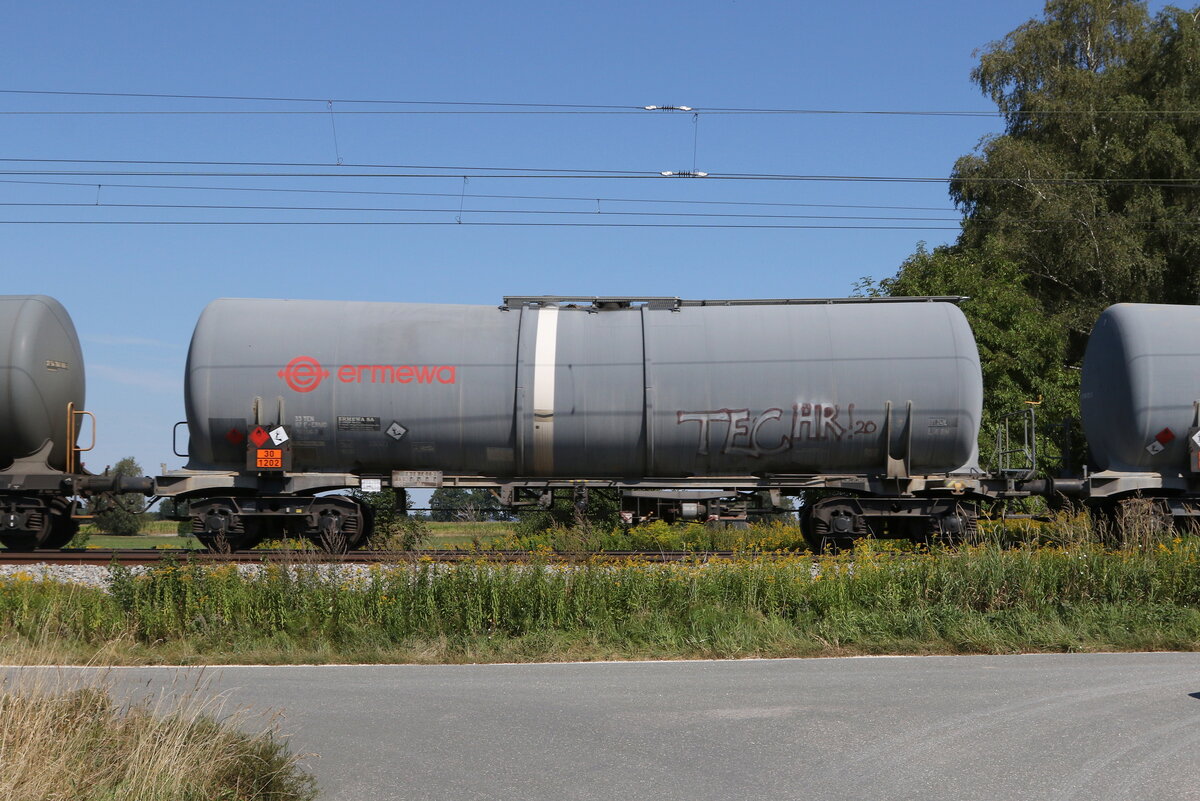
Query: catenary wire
[635,108]
[361,209]
[536,112]
[549,212]
[527,172]
[1186,183]
[382,192]
[490,223]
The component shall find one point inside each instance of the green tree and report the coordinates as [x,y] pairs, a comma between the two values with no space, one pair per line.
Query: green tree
[602,512]
[1088,197]
[121,514]
[1022,353]
[1091,189]
[466,505]
[394,528]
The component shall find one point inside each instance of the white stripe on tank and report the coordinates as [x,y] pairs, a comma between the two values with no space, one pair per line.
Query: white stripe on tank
[545,351]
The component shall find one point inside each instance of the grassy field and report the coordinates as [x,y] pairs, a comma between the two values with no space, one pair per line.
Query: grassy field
[468,535]
[150,527]
[142,541]
[491,535]
[162,534]
[981,599]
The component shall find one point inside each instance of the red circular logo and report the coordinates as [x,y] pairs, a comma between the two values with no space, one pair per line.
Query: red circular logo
[303,374]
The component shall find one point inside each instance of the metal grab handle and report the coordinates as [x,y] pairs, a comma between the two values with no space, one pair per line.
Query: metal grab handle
[73,416]
[175,440]
[82,413]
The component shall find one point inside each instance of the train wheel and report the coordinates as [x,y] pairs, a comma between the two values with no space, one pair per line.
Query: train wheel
[332,534]
[1104,517]
[368,527]
[220,530]
[21,544]
[63,527]
[1143,521]
[957,526]
[834,526]
[341,525]
[971,530]
[220,543]
[334,541]
[808,530]
[62,531]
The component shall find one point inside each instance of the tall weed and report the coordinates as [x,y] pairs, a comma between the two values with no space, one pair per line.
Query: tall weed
[881,598]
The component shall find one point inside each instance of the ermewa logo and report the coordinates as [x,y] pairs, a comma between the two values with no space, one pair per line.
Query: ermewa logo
[304,374]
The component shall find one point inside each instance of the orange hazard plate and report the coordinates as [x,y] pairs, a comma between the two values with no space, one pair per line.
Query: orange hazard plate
[269,458]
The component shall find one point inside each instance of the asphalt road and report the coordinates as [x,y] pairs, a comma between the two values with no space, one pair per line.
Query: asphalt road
[1124,726]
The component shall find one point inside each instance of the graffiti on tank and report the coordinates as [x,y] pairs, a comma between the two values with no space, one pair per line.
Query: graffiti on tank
[771,431]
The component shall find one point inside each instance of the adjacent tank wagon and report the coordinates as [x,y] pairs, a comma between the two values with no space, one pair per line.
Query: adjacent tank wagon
[41,376]
[42,389]
[1140,407]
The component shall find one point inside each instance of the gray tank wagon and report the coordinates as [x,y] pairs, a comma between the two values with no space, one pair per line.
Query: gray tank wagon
[1140,407]
[877,399]
[41,372]
[41,406]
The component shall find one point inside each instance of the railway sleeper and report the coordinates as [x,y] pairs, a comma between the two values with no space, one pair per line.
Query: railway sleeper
[834,523]
[334,523]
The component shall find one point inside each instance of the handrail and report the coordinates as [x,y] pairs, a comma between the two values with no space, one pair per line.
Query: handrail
[73,417]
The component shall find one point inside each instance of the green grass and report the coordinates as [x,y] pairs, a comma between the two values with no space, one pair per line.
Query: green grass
[142,541]
[468,535]
[656,536]
[984,599]
[150,527]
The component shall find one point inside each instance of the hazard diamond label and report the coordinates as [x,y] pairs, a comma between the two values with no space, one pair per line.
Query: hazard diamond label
[258,436]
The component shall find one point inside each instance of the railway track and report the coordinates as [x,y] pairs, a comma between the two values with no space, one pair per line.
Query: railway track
[151,556]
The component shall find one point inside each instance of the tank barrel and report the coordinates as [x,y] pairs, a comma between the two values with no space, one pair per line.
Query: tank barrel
[565,392]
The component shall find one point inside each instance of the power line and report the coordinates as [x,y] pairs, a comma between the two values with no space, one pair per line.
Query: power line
[456,173]
[365,166]
[277,99]
[582,112]
[458,212]
[393,209]
[381,192]
[490,223]
[466,106]
[291,112]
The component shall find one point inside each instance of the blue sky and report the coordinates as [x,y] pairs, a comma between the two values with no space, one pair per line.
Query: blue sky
[135,291]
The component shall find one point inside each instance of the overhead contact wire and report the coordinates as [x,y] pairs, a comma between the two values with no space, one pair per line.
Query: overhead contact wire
[632,108]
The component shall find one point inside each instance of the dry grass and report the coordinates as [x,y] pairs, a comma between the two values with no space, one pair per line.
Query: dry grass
[67,735]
